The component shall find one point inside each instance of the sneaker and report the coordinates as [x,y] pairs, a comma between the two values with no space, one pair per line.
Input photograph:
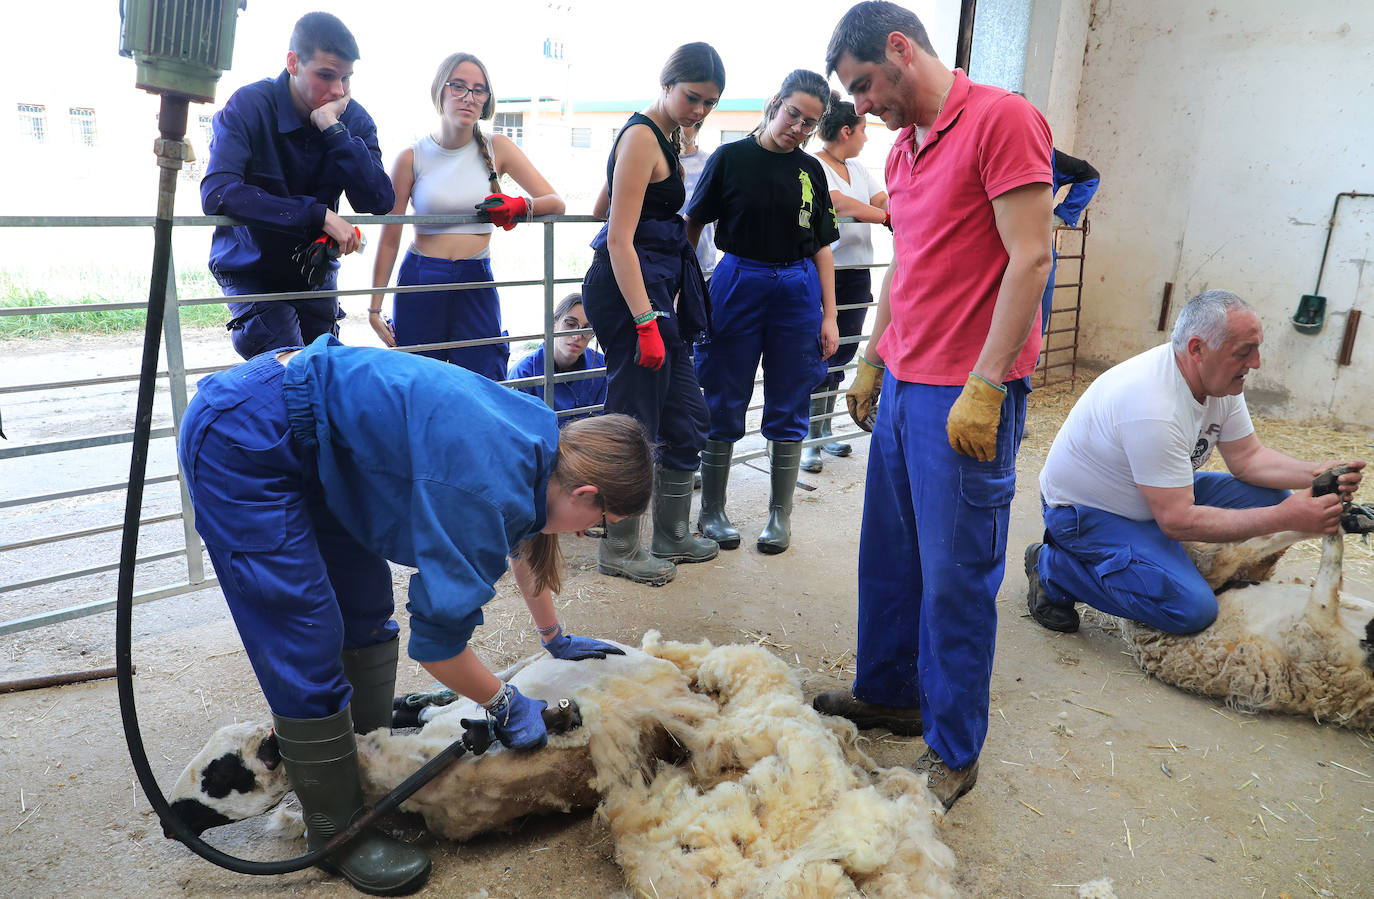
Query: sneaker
[947,783]
[902,720]
[1052,615]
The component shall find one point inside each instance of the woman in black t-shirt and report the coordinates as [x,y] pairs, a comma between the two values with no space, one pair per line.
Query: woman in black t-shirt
[772,297]
[645,299]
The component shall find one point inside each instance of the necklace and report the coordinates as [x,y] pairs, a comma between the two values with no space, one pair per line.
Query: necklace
[922,133]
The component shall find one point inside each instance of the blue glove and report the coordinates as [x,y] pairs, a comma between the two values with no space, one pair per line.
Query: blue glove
[575,649]
[517,720]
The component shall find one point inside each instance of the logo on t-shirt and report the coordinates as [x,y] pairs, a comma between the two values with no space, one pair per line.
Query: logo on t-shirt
[808,194]
[1200,453]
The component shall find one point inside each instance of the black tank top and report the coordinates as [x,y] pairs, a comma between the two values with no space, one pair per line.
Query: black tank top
[662,199]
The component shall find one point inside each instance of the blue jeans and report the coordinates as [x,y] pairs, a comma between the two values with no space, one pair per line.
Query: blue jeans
[931,554]
[440,316]
[1129,568]
[300,588]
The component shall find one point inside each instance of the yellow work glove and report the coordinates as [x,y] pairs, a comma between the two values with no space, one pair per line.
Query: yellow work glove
[973,419]
[862,395]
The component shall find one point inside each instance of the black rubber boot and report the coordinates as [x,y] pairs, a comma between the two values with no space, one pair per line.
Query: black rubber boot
[1048,614]
[834,448]
[715,474]
[372,672]
[620,555]
[673,538]
[811,455]
[776,535]
[321,760]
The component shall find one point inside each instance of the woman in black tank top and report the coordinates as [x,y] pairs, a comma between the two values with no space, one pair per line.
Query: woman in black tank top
[645,298]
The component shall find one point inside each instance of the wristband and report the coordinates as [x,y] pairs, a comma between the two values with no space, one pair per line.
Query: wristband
[646,317]
[1001,388]
[549,631]
[334,129]
[374,312]
[499,703]
[866,362]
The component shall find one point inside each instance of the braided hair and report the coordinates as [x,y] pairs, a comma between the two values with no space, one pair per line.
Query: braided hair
[436,92]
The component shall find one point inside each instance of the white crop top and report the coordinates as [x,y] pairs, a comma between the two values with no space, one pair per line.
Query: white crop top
[449,182]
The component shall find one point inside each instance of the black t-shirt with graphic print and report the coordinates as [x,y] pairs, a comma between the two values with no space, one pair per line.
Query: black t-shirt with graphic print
[769,207]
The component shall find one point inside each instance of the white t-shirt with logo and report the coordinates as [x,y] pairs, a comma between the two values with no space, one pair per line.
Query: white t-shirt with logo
[1137,424]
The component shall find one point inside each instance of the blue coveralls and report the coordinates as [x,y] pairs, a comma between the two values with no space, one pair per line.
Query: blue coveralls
[1075,201]
[928,619]
[306,479]
[769,311]
[1129,568]
[853,286]
[279,174]
[566,394]
[667,402]
[443,315]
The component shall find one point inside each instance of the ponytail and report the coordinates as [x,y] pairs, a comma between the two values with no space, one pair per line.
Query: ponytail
[485,149]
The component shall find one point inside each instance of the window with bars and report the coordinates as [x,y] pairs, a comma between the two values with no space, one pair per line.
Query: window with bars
[582,137]
[83,125]
[512,125]
[33,122]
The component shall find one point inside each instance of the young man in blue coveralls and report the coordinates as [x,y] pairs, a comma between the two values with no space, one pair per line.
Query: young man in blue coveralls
[282,153]
[969,182]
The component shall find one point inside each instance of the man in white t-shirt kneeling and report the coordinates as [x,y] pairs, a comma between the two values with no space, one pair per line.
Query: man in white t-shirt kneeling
[1120,487]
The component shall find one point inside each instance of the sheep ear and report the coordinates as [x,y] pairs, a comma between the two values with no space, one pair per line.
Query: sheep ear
[269,753]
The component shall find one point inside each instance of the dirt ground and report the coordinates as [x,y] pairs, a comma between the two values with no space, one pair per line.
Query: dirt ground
[1090,768]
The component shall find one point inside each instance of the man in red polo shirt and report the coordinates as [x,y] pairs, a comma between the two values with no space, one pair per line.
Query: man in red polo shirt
[969,185]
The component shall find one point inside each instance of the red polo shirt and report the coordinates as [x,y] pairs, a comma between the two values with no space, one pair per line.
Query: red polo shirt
[986,142]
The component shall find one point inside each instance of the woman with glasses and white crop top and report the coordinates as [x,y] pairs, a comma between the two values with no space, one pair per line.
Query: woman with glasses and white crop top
[456,170]
[772,297]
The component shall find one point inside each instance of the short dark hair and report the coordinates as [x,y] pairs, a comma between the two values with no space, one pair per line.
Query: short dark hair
[863,31]
[841,114]
[325,33]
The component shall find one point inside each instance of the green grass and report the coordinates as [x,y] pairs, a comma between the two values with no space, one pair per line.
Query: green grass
[85,286]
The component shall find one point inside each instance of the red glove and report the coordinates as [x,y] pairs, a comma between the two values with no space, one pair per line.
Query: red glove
[887,221]
[650,352]
[505,210]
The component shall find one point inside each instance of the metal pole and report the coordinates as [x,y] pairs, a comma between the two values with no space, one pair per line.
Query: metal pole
[549,370]
[176,381]
[963,51]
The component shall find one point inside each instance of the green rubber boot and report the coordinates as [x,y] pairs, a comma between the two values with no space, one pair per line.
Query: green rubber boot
[834,447]
[621,555]
[321,760]
[776,535]
[372,672]
[715,474]
[673,538]
[811,456]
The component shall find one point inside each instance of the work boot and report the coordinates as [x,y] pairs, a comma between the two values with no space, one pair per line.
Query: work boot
[673,538]
[834,447]
[1049,614]
[811,455]
[621,555]
[902,720]
[321,760]
[947,783]
[372,672]
[776,535]
[715,474]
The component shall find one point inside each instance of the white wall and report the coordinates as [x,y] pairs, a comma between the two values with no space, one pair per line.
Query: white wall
[1223,133]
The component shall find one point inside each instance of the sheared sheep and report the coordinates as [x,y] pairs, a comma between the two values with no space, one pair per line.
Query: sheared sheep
[712,773]
[1289,647]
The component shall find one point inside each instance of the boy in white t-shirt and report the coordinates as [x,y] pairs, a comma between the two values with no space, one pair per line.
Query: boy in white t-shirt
[1120,487]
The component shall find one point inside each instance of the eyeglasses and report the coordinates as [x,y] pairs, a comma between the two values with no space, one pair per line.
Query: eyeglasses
[572,324]
[462,91]
[794,116]
[597,532]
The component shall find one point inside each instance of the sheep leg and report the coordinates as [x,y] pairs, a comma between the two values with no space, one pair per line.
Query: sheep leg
[1325,602]
[1244,561]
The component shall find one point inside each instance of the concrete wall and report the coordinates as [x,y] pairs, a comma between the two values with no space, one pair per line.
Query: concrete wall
[1223,132]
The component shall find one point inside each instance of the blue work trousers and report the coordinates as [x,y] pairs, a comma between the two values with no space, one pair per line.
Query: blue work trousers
[666,401]
[300,588]
[1129,568]
[258,327]
[852,287]
[1047,298]
[768,311]
[931,554]
[440,316]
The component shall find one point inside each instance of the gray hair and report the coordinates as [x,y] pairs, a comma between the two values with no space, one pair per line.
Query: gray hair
[863,31]
[1207,316]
